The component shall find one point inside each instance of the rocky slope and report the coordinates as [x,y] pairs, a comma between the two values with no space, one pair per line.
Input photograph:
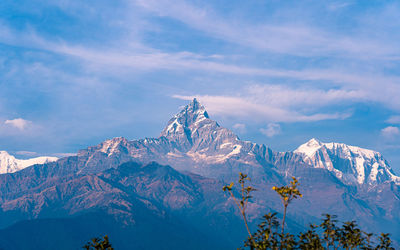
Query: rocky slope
[136,198]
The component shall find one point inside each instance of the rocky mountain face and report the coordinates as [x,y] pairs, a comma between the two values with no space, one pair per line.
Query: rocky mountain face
[120,178]
[191,142]
[9,164]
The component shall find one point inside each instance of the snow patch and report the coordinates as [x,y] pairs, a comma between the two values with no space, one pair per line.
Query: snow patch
[171,154]
[110,147]
[219,158]
[224,145]
[236,150]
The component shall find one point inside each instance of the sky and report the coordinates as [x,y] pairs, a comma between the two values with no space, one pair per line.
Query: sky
[74,73]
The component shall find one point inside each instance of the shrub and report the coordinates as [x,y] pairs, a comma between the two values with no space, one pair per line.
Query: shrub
[328,235]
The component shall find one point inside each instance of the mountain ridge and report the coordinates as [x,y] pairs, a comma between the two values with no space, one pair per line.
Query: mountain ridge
[10,164]
[360,165]
[192,138]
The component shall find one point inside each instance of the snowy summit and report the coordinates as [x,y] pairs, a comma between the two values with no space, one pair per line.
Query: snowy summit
[9,164]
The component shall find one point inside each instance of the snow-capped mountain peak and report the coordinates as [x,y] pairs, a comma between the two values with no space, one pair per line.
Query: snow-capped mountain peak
[192,129]
[309,148]
[191,116]
[353,165]
[9,164]
[193,142]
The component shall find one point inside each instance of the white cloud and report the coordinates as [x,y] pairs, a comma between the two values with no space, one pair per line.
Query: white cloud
[283,96]
[61,155]
[275,103]
[360,85]
[240,127]
[18,123]
[394,119]
[27,153]
[35,154]
[338,5]
[345,86]
[288,38]
[271,130]
[356,86]
[390,132]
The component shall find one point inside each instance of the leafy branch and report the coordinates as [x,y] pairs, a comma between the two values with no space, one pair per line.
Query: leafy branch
[287,194]
[243,199]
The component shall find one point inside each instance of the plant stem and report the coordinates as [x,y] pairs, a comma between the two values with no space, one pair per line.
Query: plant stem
[243,212]
[247,227]
[284,217]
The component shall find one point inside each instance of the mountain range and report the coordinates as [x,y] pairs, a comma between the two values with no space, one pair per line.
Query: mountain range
[170,188]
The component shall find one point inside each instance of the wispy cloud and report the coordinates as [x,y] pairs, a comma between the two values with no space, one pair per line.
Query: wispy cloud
[250,106]
[277,103]
[394,119]
[36,154]
[271,130]
[18,123]
[390,132]
[26,153]
[302,98]
[61,155]
[339,5]
[374,87]
[295,38]
[266,62]
[240,127]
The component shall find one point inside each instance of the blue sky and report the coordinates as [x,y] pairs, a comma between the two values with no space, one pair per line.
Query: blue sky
[74,73]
